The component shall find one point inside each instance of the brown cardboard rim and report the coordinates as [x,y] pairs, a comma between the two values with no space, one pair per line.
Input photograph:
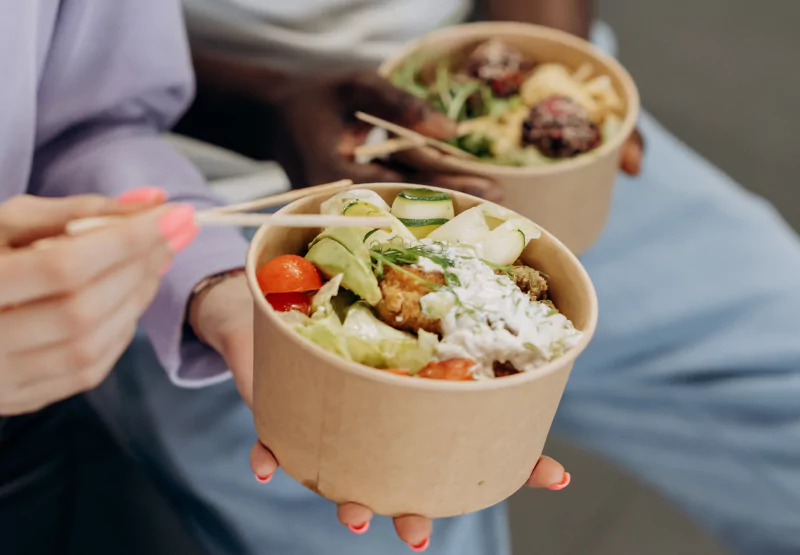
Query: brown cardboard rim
[375,374]
[499,29]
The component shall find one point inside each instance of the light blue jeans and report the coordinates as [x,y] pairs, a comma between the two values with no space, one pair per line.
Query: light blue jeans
[692,383]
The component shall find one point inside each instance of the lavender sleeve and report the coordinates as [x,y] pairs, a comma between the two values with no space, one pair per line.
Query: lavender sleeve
[117,74]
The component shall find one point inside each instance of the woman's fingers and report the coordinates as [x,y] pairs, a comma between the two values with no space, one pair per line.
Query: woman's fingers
[549,474]
[356,517]
[415,531]
[263,462]
[27,218]
[81,352]
[56,319]
[69,263]
[31,397]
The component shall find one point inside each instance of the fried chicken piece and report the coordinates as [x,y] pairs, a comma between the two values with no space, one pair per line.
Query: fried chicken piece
[502,369]
[401,292]
[528,280]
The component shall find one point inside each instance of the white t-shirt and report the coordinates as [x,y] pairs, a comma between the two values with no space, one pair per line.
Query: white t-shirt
[316,35]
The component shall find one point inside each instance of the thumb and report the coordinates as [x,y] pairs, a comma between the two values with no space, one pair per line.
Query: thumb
[26,219]
[371,93]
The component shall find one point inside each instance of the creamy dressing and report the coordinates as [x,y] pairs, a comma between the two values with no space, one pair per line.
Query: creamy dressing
[486,318]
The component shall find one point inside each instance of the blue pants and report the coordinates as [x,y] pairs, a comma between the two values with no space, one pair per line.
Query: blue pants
[692,382]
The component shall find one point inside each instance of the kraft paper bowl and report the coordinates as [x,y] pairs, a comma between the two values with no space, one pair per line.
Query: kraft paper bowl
[396,444]
[570,198]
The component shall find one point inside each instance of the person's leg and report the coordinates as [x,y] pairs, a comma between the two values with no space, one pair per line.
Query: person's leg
[693,378]
[38,481]
[198,442]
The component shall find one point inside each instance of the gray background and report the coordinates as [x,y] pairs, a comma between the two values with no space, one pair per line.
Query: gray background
[724,76]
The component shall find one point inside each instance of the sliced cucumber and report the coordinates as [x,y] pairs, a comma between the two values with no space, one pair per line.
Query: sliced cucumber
[497,215]
[424,194]
[503,245]
[422,228]
[335,205]
[423,204]
[469,227]
[361,208]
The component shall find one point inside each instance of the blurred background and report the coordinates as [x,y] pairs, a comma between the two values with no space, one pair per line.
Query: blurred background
[722,75]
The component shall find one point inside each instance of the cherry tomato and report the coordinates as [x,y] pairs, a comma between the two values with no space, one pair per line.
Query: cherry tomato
[284,302]
[288,273]
[456,369]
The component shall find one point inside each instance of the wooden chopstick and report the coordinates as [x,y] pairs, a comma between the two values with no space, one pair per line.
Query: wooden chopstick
[283,198]
[421,140]
[208,217]
[389,146]
[290,220]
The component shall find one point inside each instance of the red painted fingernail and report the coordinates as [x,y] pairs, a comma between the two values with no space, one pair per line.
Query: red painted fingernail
[182,240]
[562,484]
[360,529]
[177,219]
[143,195]
[419,548]
[264,479]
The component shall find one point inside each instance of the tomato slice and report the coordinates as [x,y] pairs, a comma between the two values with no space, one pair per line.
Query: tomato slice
[284,302]
[455,369]
[288,273]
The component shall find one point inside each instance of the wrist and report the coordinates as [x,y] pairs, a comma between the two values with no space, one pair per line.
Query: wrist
[201,291]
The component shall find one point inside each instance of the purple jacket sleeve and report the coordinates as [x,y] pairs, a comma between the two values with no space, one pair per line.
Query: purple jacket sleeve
[117,74]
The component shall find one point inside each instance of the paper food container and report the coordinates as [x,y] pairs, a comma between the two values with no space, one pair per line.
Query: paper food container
[397,444]
[570,198]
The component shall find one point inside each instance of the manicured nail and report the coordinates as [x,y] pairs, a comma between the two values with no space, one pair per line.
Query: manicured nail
[360,529]
[264,479]
[562,484]
[143,195]
[420,547]
[178,226]
[182,240]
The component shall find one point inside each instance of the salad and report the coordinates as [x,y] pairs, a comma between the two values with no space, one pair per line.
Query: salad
[435,295]
[513,111]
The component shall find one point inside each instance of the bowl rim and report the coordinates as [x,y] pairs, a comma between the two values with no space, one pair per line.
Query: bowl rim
[498,29]
[375,374]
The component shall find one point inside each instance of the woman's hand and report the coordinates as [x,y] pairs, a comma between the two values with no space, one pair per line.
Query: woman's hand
[69,305]
[413,529]
[222,316]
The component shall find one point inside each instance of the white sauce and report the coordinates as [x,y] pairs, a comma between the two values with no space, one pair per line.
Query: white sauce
[487,318]
[428,265]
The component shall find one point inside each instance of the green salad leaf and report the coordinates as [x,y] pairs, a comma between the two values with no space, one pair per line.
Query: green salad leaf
[374,343]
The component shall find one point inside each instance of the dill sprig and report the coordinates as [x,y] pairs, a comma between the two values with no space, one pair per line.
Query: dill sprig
[397,256]
[379,260]
[402,255]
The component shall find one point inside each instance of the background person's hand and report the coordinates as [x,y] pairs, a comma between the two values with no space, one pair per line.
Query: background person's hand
[412,529]
[69,306]
[324,133]
[319,119]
